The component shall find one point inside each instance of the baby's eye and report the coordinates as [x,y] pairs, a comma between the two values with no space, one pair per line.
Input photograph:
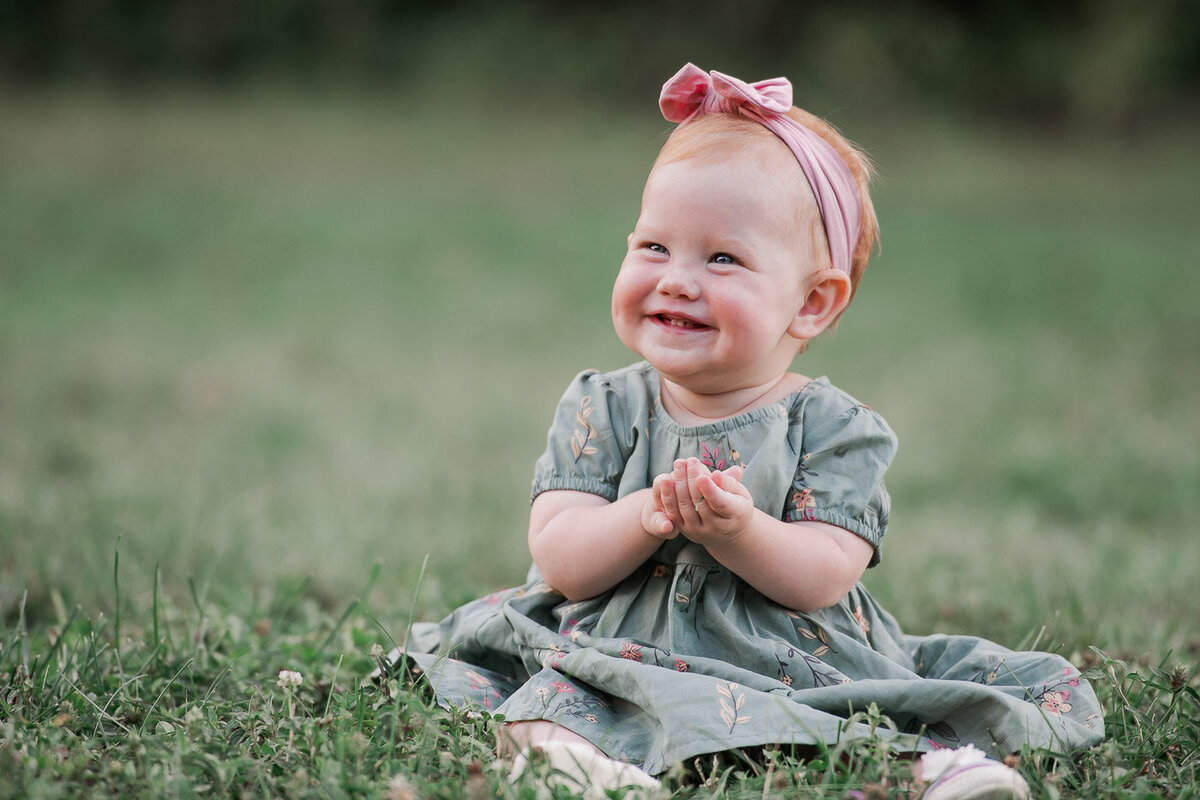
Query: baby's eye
[724,258]
[655,247]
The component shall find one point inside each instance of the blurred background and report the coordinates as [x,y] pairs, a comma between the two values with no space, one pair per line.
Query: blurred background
[290,288]
[1093,62]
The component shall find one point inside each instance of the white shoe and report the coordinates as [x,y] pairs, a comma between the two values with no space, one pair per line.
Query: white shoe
[967,774]
[584,768]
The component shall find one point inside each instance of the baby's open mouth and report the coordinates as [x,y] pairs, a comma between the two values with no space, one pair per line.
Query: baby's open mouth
[679,322]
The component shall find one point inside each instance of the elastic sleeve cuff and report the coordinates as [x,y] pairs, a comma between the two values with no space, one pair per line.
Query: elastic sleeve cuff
[573,483]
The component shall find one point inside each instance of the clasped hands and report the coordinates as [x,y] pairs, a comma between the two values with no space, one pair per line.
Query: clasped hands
[707,506]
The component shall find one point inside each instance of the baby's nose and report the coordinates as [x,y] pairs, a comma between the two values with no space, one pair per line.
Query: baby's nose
[679,281]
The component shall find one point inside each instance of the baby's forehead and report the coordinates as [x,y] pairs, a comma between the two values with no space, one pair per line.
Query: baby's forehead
[766,162]
[735,197]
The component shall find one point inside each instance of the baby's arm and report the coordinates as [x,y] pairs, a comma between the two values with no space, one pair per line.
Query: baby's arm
[800,565]
[584,545]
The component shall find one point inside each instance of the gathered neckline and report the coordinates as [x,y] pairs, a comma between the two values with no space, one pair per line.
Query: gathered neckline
[741,419]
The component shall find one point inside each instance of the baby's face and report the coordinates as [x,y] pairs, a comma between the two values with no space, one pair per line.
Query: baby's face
[716,272]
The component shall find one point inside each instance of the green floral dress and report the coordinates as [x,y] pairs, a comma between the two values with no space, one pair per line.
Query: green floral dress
[684,658]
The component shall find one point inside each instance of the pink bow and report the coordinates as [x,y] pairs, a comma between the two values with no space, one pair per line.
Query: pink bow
[693,92]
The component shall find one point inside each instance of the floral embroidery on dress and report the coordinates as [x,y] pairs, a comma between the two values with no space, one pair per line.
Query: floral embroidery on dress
[822,673]
[942,730]
[784,677]
[803,500]
[651,656]
[631,651]
[476,680]
[1055,702]
[802,496]
[581,705]
[815,632]
[573,630]
[573,627]
[731,704]
[654,656]
[710,456]
[803,472]
[585,432]
[989,672]
[689,579]
[487,692]
[1054,698]
[553,657]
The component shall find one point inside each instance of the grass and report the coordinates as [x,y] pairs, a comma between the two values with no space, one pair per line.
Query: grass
[264,354]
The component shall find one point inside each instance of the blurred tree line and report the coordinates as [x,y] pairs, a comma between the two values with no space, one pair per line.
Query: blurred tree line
[1104,62]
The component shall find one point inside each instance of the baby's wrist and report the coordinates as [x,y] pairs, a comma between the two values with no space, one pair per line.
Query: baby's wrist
[737,535]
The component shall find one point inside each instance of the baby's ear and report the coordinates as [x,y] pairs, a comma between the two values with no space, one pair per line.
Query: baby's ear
[828,295]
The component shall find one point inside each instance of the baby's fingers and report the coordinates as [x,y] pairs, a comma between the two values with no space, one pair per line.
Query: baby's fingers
[711,495]
[730,481]
[659,524]
[693,472]
[725,497]
[664,486]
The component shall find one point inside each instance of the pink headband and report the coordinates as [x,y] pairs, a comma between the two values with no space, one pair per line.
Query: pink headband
[694,92]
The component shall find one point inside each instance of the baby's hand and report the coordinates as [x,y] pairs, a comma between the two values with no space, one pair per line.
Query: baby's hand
[704,505]
[654,517]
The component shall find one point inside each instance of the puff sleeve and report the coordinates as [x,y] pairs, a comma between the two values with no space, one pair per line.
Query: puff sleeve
[844,450]
[585,451]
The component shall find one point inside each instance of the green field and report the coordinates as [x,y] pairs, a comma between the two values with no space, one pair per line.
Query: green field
[254,347]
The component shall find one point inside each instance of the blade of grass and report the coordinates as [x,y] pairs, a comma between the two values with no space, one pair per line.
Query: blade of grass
[332,682]
[157,583]
[158,698]
[22,628]
[117,604]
